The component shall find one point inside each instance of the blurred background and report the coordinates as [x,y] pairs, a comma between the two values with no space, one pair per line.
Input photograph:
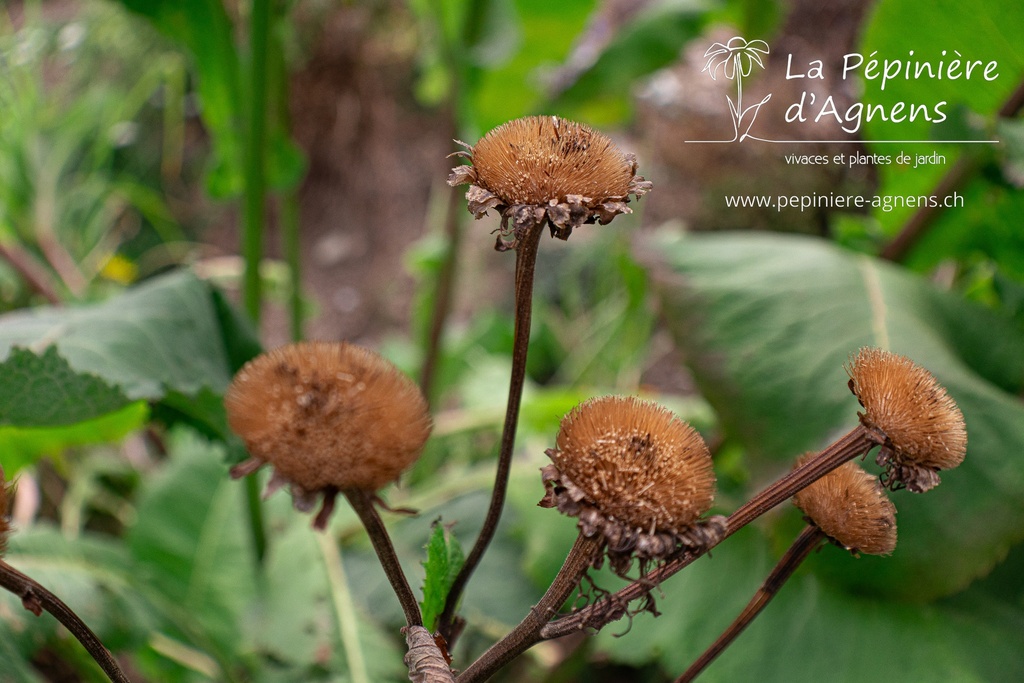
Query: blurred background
[184,182]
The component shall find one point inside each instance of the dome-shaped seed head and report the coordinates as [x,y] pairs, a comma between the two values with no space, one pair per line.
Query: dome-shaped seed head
[851,507]
[636,463]
[328,415]
[537,159]
[921,422]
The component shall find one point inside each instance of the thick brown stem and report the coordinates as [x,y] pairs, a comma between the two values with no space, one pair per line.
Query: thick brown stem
[527,633]
[856,442]
[526,260]
[804,544]
[363,503]
[35,598]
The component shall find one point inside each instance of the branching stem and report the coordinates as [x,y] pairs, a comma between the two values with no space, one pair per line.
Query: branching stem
[527,633]
[856,442]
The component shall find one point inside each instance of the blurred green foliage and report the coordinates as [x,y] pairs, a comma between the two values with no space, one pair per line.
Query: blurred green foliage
[154,552]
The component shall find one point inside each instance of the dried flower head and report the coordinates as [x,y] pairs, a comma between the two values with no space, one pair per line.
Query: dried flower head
[544,168]
[327,417]
[636,475]
[921,429]
[850,506]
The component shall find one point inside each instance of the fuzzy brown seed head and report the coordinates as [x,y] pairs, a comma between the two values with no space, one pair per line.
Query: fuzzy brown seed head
[634,475]
[637,462]
[850,505]
[923,427]
[539,158]
[328,415]
[544,168]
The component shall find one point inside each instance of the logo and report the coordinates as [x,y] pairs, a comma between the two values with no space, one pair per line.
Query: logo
[736,59]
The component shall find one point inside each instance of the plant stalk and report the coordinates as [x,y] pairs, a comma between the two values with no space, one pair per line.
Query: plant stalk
[526,261]
[36,598]
[525,635]
[804,545]
[854,443]
[362,502]
[254,208]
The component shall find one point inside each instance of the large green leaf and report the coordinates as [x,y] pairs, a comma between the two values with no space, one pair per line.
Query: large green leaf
[969,30]
[766,323]
[161,336]
[192,548]
[813,632]
[300,607]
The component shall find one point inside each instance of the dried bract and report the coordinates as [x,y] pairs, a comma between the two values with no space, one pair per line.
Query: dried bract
[544,168]
[851,507]
[327,417]
[921,429]
[637,476]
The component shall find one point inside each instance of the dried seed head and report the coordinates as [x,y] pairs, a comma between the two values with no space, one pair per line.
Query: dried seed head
[327,416]
[544,168]
[850,506]
[633,472]
[923,430]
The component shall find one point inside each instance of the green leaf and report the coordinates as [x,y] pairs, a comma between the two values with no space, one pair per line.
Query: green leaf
[297,623]
[983,30]
[766,323]
[163,335]
[603,92]
[192,547]
[43,391]
[444,559]
[22,446]
[813,632]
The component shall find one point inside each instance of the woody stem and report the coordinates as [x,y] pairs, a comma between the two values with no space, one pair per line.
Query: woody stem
[362,503]
[856,442]
[527,633]
[804,544]
[37,598]
[526,260]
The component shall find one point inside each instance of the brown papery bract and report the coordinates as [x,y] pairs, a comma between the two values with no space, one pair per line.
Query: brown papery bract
[328,415]
[851,507]
[636,462]
[923,425]
[542,170]
[537,159]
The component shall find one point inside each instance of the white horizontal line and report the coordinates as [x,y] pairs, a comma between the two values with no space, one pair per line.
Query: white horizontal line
[856,142]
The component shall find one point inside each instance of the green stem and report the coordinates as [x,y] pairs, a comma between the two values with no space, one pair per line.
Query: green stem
[344,607]
[526,261]
[255,151]
[253,215]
